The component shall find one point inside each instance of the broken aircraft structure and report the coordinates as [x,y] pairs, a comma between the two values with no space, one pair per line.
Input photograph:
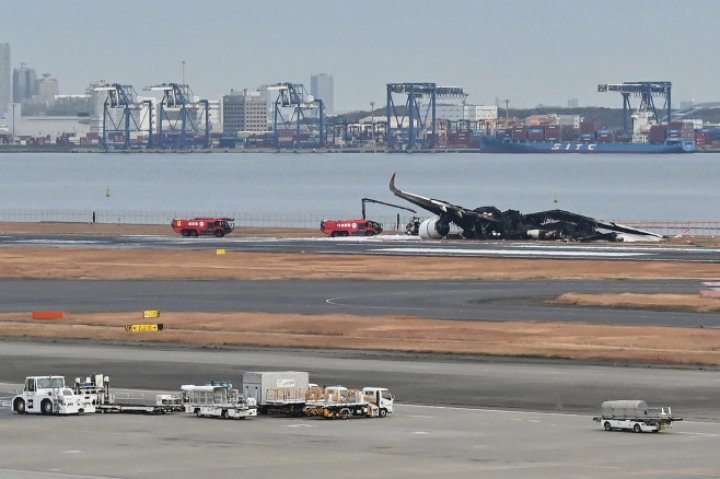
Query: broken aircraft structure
[488,222]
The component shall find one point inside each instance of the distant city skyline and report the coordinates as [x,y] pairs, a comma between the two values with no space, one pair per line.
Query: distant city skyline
[526,51]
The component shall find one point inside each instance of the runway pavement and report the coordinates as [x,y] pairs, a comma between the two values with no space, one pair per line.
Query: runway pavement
[395,245]
[451,300]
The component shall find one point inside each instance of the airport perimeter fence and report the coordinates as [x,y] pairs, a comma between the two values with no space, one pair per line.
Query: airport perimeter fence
[137,217]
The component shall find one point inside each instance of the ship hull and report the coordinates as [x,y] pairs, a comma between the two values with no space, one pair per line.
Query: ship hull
[492,145]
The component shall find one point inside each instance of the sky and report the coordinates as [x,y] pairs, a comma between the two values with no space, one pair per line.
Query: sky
[530,52]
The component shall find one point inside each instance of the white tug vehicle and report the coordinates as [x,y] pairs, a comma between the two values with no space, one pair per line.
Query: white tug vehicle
[217,399]
[49,395]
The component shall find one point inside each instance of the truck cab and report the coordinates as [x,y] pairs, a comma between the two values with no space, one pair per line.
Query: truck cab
[49,395]
[382,398]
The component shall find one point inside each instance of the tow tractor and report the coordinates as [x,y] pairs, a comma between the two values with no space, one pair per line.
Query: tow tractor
[49,395]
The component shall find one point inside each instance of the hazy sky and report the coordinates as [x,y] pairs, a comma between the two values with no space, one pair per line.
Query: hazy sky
[529,51]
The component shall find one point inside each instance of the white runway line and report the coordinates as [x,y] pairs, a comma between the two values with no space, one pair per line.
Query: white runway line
[510,252]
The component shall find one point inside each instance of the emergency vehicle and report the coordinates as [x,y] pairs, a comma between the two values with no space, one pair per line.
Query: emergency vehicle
[204,226]
[351,228]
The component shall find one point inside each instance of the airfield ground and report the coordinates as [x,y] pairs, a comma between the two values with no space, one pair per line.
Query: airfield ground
[553,340]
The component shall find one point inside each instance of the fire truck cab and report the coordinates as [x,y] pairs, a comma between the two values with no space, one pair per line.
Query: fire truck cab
[351,228]
[204,226]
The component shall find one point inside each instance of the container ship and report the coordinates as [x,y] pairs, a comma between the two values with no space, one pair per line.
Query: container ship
[675,137]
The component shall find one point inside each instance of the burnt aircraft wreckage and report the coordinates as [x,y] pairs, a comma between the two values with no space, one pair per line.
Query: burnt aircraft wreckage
[488,222]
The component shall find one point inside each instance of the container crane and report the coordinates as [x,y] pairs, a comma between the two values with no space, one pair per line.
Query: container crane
[407,134]
[132,117]
[296,97]
[646,90]
[183,115]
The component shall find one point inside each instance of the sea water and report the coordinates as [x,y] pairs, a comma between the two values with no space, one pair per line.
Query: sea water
[617,187]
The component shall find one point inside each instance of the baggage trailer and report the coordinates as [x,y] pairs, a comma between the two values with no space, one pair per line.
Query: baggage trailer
[96,389]
[635,415]
[277,392]
[339,402]
[217,399]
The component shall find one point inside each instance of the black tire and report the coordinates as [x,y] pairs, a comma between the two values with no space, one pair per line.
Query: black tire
[197,412]
[333,234]
[607,426]
[383,412]
[219,233]
[224,414]
[19,406]
[185,233]
[194,233]
[344,413]
[637,428]
[46,407]
[369,233]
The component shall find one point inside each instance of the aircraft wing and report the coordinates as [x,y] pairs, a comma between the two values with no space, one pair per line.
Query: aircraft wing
[562,215]
[438,207]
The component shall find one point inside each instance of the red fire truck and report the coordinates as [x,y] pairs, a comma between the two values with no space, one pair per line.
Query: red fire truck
[204,226]
[351,228]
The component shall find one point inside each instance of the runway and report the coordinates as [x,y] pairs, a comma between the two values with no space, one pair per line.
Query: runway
[447,300]
[386,245]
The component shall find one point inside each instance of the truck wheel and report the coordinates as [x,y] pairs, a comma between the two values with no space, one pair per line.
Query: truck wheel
[19,406]
[383,412]
[219,233]
[185,233]
[197,412]
[369,233]
[46,407]
[194,233]
[224,414]
[607,426]
[344,413]
[333,234]
[636,428]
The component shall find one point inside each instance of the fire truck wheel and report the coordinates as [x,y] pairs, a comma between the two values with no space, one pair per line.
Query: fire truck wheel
[19,406]
[46,407]
[219,233]
[185,232]
[333,234]
[383,412]
[369,233]
[194,232]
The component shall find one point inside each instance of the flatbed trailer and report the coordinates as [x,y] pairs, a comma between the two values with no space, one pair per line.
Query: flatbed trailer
[96,388]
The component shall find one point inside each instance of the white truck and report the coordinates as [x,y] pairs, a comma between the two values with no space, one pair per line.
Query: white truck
[277,392]
[217,399]
[635,415]
[339,402]
[49,395]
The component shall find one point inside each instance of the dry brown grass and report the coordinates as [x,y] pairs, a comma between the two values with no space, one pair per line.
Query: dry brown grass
[548,340]
[577,341]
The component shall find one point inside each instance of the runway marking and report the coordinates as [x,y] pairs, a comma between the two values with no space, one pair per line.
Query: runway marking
[420,433]
[301,425]
[37,473]
[704,434]
[510,252]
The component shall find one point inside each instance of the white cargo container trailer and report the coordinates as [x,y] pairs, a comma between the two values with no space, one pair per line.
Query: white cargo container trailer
[277,392]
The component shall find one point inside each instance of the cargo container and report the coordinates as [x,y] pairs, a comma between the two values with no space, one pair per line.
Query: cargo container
[635,415]
[277,391]
[519,134]
[536,134]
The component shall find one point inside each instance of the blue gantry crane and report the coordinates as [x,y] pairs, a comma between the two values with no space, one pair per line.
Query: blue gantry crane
[647,91]
[411,122]
[124,115]
[182,121]
[306,111]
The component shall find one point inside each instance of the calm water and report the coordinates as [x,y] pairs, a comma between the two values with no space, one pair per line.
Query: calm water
[612,187]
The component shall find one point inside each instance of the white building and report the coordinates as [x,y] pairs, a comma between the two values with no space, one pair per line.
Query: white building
[5,78]
[321,86]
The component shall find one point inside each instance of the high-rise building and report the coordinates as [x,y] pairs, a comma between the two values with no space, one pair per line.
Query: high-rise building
[4,77]
[24,83]
[321,86]
[244,111]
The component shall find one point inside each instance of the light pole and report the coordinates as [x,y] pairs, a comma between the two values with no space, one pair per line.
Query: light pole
[372,121]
